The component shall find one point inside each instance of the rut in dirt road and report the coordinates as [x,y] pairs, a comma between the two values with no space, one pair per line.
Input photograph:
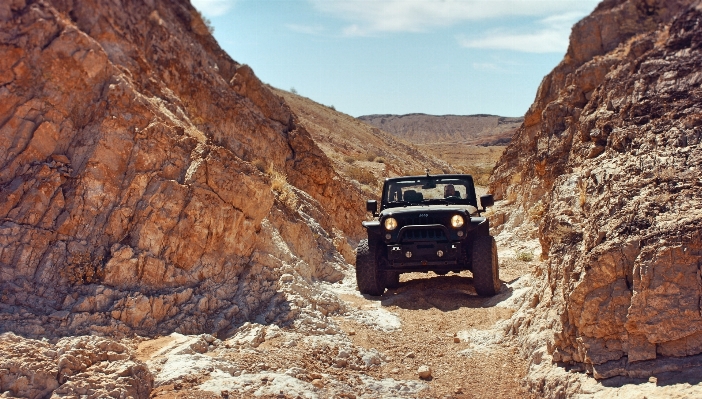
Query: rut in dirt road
[447,327]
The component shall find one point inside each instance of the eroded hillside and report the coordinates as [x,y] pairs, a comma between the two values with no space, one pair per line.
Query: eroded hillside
[358,151]
[130,197]
[469,143]
[608,162]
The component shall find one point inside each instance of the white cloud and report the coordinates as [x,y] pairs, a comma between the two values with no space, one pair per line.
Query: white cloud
[367,17]
[545,41]
[306,29]
[213,8]
[550,35]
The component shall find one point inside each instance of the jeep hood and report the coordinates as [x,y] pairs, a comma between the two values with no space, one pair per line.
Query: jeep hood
[470,209]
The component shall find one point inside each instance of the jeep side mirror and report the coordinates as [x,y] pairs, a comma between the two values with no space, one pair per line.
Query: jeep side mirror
[372,206]
[486,200]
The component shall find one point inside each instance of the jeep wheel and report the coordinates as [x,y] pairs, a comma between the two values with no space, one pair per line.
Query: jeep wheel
[486,271]
[392,279]
[368,278]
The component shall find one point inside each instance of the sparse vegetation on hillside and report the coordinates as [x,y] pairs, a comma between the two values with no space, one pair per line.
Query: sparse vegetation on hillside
[361,175]
[480,173]
[537,211]
[279,184]
[359,152]
[207,22]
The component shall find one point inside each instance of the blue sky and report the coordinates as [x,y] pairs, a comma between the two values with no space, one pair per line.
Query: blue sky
[400,56]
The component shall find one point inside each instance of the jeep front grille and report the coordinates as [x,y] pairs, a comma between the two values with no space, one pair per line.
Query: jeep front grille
[419,221]
[431,234]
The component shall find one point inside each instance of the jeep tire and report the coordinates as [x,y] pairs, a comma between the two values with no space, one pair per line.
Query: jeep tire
[392,279]
[369,279]
[486,271]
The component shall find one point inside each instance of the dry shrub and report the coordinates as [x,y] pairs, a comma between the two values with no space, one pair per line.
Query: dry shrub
[481,173]
[537,211]
[280,185]
[361,175]
[515,179]
[662,199]
[349,159]
[582,185]
[371,156]
[666,174]
[525,256]
[379,160]
[289,198]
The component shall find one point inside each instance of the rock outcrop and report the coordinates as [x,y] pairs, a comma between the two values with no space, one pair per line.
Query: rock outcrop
[91,367]
[609,160]
[129,199]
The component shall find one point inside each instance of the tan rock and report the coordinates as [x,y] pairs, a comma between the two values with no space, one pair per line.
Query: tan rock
[128,197]
[424,372]
[90,366]
[605,154]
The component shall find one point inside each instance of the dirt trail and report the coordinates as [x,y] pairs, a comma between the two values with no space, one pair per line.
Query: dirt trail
[436,311]
[372,349]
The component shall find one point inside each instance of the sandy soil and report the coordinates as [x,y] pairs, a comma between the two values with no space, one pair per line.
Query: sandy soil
[377,349]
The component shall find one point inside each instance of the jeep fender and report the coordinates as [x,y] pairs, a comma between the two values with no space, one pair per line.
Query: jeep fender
[373,229]
[480,226]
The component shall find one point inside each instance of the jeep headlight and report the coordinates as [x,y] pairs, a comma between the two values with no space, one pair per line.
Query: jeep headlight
[456,221]
[390,224]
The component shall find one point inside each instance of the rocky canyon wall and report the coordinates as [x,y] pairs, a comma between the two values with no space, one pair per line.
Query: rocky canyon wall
[129,199]
[609,162]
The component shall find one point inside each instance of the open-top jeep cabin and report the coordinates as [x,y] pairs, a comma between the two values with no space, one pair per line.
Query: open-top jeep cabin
[427,223]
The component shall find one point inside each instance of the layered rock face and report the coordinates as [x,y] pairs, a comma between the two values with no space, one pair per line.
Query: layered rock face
[609,160]
[91,367]
[128,196]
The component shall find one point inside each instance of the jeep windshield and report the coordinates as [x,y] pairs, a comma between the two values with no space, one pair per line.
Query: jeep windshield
[429,190]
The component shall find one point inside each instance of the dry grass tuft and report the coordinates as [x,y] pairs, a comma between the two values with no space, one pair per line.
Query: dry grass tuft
[537,211]
[361,175]
[280,185]
[582,185]
[525,256]
[481,173]
[515,179]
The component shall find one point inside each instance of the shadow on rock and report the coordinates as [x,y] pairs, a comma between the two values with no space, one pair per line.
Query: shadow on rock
[685,375]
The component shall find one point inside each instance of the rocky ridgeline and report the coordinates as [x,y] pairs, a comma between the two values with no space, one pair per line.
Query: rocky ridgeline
[609,161]
[481,129]
[149,183]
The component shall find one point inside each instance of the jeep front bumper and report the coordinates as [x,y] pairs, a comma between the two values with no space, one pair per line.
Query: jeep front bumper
[424,253]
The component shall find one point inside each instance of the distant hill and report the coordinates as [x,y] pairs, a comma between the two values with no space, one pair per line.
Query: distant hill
[480,129]
[359,151]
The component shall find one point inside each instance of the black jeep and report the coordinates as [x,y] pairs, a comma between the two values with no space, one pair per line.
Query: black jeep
[427,223]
